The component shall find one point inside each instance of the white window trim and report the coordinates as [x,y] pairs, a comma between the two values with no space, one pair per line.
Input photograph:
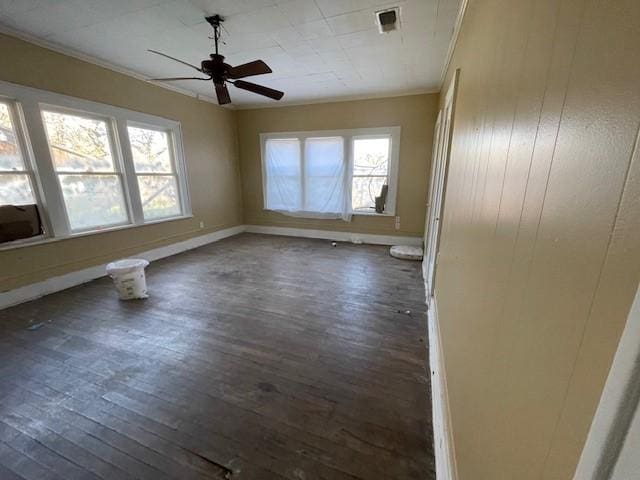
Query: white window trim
[24,145]
[175,144]
[116,157]
[29,102]
[348,135]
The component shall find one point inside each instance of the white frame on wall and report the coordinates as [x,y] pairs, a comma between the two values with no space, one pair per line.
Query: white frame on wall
[116,157]
[178,167]
[348,135]
[17,120]
[28,104]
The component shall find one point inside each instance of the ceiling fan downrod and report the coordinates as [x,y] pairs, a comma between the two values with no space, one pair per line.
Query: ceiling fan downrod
[215,21]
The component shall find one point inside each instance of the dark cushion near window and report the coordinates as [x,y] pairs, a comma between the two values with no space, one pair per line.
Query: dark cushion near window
[19,221]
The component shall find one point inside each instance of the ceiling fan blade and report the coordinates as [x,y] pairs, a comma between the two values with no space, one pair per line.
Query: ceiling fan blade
[223,94]
[175,59]
[259,89]
[176,78]
[257,67]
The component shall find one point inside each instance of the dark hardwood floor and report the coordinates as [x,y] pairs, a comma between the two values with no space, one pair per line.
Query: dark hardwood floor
[256,357]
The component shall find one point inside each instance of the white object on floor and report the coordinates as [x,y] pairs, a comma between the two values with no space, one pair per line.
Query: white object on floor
[128,278]
[406,252]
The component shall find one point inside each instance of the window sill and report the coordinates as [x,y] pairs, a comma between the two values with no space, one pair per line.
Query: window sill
[42,240]
[373,214]
[320,216]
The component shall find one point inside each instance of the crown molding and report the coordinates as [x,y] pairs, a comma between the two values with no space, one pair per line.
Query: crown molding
[338,99]
[454,40]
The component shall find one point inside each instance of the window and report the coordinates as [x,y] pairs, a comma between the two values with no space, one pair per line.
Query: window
[157,180]
[88,166]
[284,187]
[305,175]
[370,171]
[324,174]
[15,177]
[90,180]
[331,174]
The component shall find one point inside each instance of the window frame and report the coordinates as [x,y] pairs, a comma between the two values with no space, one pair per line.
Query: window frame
[30,169]
[29,103]
[305,179]
[175,164]
[16,119]
[116,157]
[348,135]
[263,146]
[391,199]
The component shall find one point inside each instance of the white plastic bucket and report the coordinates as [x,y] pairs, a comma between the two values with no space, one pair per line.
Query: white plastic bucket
[128,278]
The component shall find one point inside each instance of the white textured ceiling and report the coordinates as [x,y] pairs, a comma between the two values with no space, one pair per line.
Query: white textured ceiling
[317,49]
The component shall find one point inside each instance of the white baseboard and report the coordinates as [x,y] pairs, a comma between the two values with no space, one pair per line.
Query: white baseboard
[62,282]
[337,236]
[442,434]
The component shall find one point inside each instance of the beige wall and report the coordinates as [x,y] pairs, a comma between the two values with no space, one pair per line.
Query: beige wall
[540,251]
[416,115]
[209,135]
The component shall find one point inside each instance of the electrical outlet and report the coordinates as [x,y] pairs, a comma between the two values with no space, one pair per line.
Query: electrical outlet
[201,224]
[397,222]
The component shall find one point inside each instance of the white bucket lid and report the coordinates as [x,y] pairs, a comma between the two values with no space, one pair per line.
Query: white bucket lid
[126,265]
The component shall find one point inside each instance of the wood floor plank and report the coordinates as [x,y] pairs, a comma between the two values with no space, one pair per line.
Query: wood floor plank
[38,452]
[7,474]
[224,388]
[24,467]
[138,460]
[257,357]
[64,443]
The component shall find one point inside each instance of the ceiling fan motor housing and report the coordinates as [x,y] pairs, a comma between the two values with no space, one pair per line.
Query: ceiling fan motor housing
[216,68]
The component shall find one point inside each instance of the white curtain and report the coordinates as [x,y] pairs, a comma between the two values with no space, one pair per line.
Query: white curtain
[282,172]
[307,177]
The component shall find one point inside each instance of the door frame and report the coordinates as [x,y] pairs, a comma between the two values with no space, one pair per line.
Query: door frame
[434,161]
[619,405]
[443,134]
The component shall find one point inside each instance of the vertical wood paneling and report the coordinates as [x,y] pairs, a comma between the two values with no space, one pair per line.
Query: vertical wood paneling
[540,254]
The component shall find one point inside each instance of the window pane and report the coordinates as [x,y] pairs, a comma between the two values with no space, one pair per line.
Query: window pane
[10,157]
[15,190]
[159,195]
[93,200]
[78,144]
[371,156]
[282,169]
[364,192]
[324,170]
[150,149]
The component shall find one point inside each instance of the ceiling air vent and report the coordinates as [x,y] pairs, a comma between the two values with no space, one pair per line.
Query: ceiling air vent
[388,20]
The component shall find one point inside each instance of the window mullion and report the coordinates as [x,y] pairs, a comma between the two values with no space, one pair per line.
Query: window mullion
[179,174]
[51,193]
[129,173]
[348,180]
[303,174]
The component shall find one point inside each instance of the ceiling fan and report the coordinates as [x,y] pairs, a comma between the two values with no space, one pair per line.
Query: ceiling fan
[222,73]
